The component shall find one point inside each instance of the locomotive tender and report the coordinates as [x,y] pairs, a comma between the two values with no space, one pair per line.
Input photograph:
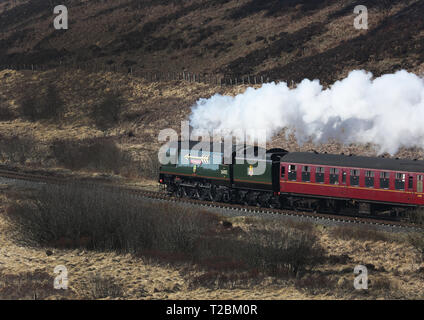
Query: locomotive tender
[296,180]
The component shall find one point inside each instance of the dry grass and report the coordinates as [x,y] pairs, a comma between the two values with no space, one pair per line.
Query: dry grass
[395,270]
[97,219]
[30,285]
[360,233]
[149,107]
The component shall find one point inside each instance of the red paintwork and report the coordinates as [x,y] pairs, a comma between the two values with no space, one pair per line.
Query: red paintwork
[345,191]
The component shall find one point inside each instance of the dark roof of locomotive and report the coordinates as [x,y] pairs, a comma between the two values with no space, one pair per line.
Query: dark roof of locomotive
[339,160]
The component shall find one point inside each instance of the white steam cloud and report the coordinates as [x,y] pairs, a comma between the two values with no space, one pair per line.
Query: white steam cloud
[387,111]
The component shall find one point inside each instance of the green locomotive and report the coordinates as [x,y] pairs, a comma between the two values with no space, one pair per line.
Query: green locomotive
[222,175]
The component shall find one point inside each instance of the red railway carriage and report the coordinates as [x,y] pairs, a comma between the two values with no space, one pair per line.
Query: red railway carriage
[353,178]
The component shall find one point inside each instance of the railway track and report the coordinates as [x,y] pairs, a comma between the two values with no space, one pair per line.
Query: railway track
[235,208]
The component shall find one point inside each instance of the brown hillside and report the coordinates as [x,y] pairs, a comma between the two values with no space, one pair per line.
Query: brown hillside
[287,40]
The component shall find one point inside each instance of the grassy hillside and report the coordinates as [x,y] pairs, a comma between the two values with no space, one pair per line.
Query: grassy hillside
[287,40]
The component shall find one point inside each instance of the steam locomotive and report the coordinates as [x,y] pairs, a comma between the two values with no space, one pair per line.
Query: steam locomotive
[312,181]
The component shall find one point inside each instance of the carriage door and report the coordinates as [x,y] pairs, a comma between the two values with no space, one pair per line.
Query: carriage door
[344,183]
[410,186]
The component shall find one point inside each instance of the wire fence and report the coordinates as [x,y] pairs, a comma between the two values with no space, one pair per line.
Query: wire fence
[153,76]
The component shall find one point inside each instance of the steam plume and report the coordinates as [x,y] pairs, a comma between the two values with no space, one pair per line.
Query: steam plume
[387,111]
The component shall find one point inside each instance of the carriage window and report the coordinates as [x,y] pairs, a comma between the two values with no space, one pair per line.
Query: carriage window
[283,172]
[419,183]
[354,177]
[384,180]
[292,172]
[400,181]
[410,182]
[306,174]
[319,175]
[369,179]
[334,176]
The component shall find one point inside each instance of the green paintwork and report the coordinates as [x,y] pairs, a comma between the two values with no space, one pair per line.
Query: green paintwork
[206,164]
[244,172]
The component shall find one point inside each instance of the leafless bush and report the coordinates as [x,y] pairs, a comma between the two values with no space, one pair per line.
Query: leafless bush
[29,286]
[28,105]
[5,113]
[51,105]
[382,284]
[282,249]
[41,103]
[416,216]
[213,279]
[107,113]
[316,283]
[16,149]
[359,233]
[149,167]
[100,287]
[96,218]
[417,241]
[92,154]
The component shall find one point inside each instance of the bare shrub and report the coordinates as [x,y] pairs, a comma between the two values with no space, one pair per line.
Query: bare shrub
[224,280]
[417,241]
[416,216]
[28,105]
[100,287]
[316,283]
[96,218]
[107,113]
[93,154]
[51,104]
[359,233]
[283,249]
[35,285]
[41,103]
[5,113]
[16,149]
[149,167]
[382,284]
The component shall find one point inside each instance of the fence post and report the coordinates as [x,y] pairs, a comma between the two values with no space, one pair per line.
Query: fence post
[262,79]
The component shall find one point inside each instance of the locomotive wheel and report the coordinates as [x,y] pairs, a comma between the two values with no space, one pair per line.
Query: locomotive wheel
[216,194]
[264,200]
[252,198]
[205,194]
[274,203]
[195,194]
[226,196]
[241,198]
[211,194]
[180,192]
[172,189]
